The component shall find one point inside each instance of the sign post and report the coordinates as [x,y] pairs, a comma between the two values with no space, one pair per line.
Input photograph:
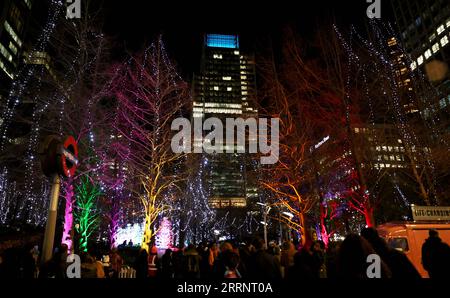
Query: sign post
[47,248]
[438,213]
[57,159]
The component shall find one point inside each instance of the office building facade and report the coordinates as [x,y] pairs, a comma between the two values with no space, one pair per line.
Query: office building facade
[226,88]
[424,27]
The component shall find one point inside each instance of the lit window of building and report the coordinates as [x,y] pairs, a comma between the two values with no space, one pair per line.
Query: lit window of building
[216,88]
[427,54]
[13,48]
[229,88]
[440,29]
[432,37]
[226,78]
[3,66]
[444,41]
[236,52]
[13,34]
[420,60]
[435,48]
[217,56]
[5,53]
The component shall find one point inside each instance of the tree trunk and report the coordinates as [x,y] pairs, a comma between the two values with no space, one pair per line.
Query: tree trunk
[368,215]
[148,233]
[68,216]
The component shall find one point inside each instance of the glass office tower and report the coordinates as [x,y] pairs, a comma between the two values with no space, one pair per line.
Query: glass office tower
[224,89]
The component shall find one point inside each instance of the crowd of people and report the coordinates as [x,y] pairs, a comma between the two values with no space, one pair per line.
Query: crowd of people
[249,260]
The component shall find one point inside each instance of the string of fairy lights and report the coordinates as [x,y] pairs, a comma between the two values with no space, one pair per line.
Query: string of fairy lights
[26,74]
[382,66]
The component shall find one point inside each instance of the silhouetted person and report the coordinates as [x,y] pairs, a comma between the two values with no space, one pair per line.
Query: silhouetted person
[219,264]
[352,260]
[331,260]
[141,264]
[167,264]
[192,262]
[245,254]
[231,262]
[436,256]
[307,263]
[263,265]
[398,262]
[178,263]
[205,269]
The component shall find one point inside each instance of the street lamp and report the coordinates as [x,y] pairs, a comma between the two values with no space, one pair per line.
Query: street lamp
[266,212]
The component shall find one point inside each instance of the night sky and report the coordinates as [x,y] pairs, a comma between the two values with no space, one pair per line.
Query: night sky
[134,22]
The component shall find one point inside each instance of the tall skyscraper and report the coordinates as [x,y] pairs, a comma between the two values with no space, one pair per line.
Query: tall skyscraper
[13,20]
[424,26]
[226,88]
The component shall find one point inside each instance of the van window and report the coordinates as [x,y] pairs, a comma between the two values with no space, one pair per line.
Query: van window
[400,244]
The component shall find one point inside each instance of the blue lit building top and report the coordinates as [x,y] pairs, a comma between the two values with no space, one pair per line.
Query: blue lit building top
[222,41]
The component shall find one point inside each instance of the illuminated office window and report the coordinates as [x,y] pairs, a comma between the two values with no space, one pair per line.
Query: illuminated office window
[5,53]
[226,78]
[420,60]
[13,48]
[216,88]
[432,37]
[427,54]
[5,69]
[15,17]
[229,88]
[13,34]
[440,29]
[444,40]
[28,3]
[217,56]
[222,41]
[435,48]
